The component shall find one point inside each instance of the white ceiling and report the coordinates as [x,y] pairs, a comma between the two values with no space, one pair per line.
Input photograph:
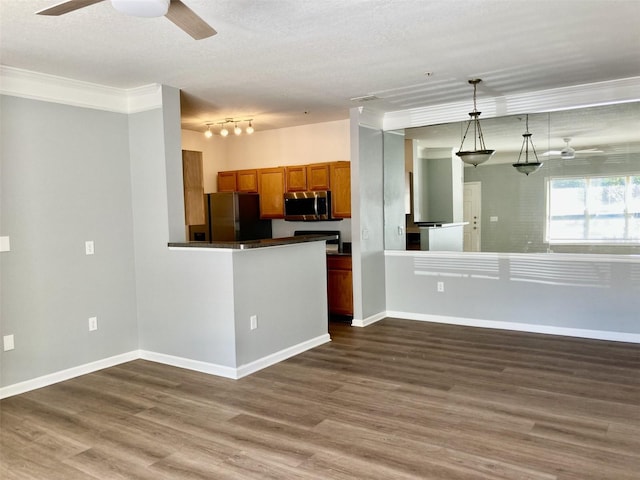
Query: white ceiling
[294,62]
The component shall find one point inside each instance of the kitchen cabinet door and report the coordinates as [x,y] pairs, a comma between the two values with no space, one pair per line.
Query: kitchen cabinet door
[227,181]
[339,284]
[247,181]
[192,179]
[296,178]
[271,186]
[318,177]
[340,180]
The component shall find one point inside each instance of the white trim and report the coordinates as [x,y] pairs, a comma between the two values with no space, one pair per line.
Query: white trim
[565,98]
[180,362]
[242,370]
[577,257]
[62,375]
[189,364]
[365,322]
[50,88]
[521,327]
[264,362]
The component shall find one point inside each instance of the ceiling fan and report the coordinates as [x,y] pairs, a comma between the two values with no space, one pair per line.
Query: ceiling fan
[174,10]
[568,152]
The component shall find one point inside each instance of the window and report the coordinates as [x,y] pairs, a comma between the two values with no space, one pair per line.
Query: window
[593,209]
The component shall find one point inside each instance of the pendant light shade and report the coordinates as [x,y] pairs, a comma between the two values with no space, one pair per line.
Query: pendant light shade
[526,166]
[480,153]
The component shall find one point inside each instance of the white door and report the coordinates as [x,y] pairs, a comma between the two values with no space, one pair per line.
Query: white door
[472,198]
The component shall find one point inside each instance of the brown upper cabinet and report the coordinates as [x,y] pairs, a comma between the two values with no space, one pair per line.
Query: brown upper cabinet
[296,177]
[227,181]
[318,177]
[301,178]
[247,181]
[340,181]
[271,185]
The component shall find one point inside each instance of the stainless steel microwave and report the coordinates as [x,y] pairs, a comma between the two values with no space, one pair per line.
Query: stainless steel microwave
[307,206]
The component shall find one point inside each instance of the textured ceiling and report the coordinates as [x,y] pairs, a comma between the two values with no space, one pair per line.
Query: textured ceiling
[294,62]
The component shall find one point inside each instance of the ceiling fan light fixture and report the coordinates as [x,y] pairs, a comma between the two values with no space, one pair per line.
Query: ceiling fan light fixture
[142,8]
[237,130]
[208,133]
[567,153]
[478,155]
[249,129]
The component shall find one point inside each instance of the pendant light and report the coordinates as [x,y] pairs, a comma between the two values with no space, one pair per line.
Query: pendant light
[237,130]
[208,133]
[527,167]
[249,129]
[478,155]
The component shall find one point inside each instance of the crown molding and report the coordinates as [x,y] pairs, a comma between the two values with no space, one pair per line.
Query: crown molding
[50,88]
[566,98]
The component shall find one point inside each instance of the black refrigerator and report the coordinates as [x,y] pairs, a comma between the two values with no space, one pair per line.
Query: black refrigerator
[231,216]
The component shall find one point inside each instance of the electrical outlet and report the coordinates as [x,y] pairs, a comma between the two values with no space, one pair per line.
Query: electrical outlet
[88,247]
[441,286]
[8,344]
[254,321]
[93,323]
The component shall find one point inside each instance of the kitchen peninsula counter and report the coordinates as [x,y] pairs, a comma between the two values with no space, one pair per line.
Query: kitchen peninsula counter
[251,244]
[248,306]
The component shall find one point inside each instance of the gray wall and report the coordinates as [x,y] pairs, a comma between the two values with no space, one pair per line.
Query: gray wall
[65,179]
[394,191]
[290,275]
[185,298]
[547,290]
[519,203]
[368,259]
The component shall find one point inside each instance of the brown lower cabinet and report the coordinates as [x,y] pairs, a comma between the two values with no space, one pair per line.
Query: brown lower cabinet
[339,284]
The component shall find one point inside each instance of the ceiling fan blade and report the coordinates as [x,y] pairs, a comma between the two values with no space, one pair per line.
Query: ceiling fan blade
[551,152]
[66,7]
[590,150]
[187,20]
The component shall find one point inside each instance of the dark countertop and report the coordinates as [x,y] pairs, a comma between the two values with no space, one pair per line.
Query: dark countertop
[246,244]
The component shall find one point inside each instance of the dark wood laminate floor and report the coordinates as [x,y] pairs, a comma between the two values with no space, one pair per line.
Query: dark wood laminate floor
[396,400]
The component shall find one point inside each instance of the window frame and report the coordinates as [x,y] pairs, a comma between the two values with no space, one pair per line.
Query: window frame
[627,241]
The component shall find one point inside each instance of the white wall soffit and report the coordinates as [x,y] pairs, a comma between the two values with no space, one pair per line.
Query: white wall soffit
[50,88]
[565,98]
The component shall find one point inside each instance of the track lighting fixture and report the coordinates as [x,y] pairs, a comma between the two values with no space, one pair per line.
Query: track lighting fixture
[224,131]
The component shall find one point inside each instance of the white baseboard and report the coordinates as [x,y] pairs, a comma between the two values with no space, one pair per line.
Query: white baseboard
[249,368]
[365,322]
[521,327]
[181,362]
[62,375]
[189,364]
